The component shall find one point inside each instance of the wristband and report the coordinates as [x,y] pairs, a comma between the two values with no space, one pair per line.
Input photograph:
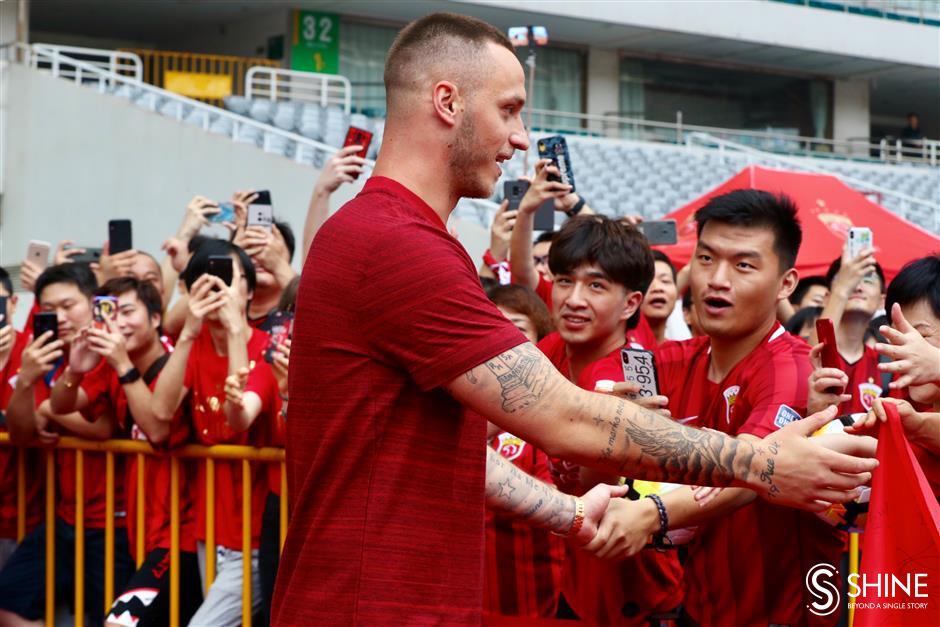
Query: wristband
[578,206]
[489,259]
[66,379]
[129,377]
[660,539]
[578,521]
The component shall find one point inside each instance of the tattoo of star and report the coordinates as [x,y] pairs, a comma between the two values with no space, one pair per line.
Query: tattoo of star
[506,488]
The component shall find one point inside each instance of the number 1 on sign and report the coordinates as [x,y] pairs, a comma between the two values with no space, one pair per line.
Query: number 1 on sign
[318,61]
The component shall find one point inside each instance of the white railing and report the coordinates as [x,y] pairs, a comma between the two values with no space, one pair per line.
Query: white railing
[152,98]
[277,84]
[614,126]
[114,61]
[705,139]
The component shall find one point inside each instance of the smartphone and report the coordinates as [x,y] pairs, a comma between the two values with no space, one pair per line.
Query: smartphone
[46,321]
[640,366]
[659,232]
[826,334]
[556,149]
[358,137]
[264,198]
[221,266]
[280,325]
[119,236]
[226,213]
[3,311]
[91,255]
[38,253]
[545,216]
[860,238]
[513,191]
[104,308]
[260,212]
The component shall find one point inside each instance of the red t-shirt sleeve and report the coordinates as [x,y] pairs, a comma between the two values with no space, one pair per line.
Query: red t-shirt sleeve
[778,393]
[433,320]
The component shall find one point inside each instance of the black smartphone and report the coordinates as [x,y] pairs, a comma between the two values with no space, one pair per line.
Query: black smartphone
[640,366]
[3,311]
[119,236]
[556,149]
[264,198]
[659,232]
[221,266]
[513,191]
[545,216]
[91,255]
[46,321]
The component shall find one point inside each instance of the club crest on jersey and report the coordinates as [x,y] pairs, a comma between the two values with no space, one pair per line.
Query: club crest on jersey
[731,395]
[785,416]
[509,446]
[867,393]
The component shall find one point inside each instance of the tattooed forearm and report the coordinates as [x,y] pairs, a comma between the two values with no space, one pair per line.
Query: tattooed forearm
[510,490]
[522,373]
[685,454]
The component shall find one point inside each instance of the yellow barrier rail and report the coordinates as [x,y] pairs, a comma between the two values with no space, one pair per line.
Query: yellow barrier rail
[205,77]
[142,450]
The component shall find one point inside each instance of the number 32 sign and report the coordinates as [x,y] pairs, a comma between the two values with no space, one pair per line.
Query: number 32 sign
[315,42]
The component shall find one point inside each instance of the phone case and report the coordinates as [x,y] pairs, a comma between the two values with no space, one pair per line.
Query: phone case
[358,137]
[556,149]
[38,253]
[46,321]
[221,266]
[280,325]
[826,334]
[260,215]
[859,239]
[119,236]
[105,307]
[545,216]
[640,366]
[513,191]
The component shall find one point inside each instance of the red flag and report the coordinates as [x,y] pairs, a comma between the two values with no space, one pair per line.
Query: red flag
[901,550]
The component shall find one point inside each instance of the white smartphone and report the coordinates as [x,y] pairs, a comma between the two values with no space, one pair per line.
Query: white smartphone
[640,366]
[38,253]
[860,238]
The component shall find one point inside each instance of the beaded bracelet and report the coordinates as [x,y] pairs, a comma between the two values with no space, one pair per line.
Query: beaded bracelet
[660,539]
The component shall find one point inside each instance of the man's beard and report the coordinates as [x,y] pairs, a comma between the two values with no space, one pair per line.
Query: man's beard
[463,161]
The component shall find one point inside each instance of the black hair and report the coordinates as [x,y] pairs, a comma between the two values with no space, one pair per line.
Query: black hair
[545,236]
[801,318]
[6,283]
[77,274]
[289,240]
[755,208]
[199,263]
[488,283]
[803,286]
[918,280]
[620,250]
[836,265]
[687,299]
[659,255]
[146,292]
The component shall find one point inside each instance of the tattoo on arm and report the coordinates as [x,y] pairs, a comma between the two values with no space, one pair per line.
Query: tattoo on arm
[510,490]
[522,373]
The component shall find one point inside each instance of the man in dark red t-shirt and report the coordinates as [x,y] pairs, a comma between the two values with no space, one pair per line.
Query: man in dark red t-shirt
[394,334]
[747,378]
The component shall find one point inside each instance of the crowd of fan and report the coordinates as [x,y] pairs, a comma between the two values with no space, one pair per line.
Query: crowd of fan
[210,366]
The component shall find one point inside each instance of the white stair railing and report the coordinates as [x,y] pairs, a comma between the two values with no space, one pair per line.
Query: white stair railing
[705,139]
[276,84]
[238,127]
[114,61]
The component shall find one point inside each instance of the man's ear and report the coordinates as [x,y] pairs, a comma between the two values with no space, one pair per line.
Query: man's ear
[631,305]
[448,103]
[787,284]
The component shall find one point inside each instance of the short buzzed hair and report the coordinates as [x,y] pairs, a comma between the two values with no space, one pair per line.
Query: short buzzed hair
[436,39]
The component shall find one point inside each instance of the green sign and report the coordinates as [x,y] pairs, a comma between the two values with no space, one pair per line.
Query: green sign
[315,42]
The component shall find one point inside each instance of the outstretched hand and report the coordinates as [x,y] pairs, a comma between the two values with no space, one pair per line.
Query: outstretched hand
[914,360]
[596,501]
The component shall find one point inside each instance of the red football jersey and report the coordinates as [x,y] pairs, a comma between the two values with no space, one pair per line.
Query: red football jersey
[32,464]
[748,567]
[523,563]
[94,469]
[386,472]
[864,382]
[205,379]
[105,393]
[600,591]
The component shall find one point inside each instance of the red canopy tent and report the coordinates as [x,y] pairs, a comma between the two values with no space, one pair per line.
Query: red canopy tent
[827,209]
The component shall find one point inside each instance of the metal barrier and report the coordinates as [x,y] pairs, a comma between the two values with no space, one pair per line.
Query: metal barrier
[276,84]
[114,61]
[86,74]
[143,450]
[158,63]
[618,127]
